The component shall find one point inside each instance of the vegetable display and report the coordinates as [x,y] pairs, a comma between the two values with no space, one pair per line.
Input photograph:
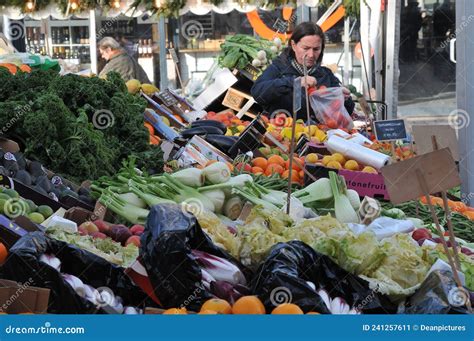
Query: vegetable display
[80,127]
[240,50]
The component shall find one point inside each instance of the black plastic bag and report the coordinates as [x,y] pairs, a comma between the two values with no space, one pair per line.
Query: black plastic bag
[438,294]
[23,265]
[284,277]
[166,244]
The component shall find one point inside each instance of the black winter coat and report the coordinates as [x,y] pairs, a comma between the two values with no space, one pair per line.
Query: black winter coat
[274,88]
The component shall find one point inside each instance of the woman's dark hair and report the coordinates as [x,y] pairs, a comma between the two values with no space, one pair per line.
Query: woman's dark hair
[304,29]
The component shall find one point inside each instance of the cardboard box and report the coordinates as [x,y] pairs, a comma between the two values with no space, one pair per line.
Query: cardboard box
[16,298]
[12,230]
[235,99]
[366,184]
[200,151]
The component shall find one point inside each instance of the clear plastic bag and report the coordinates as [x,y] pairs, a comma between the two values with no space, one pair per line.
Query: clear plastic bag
[328,105]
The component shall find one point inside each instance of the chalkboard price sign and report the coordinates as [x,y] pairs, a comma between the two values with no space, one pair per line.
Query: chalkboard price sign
[390,130]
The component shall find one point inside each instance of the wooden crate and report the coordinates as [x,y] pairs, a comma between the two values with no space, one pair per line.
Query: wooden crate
[235,99]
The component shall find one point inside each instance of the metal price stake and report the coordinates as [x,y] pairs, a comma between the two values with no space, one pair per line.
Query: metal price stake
[296,107]
[174,57]
[447,211]
[305,74]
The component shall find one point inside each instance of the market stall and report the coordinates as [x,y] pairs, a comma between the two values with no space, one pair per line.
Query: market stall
[127,199]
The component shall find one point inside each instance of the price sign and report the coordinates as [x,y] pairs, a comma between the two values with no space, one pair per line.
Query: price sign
[167,98]
[280,25]
[251,72]
[390,130]
[174,56]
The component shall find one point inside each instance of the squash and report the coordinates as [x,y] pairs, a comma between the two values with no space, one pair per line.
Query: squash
[25,68]
[10,67]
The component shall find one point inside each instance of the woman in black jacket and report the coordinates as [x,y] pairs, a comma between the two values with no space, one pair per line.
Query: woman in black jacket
[274,88]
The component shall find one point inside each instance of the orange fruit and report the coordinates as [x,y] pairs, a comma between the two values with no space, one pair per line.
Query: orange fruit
[273,168]
[301,174]
[334,164]
[287,309]
[351,165]
[248,305]
[176,311]
[217,305]
[294,175]
[150,128]
[3,253]
[368,169]
[339,158]
[296,164]
[313,313]
[207,312]
[257,170]
[260,162]
[155,140]
[276,159]
[312,158]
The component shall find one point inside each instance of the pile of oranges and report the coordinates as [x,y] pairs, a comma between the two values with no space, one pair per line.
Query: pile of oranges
[275,164]
[246,305]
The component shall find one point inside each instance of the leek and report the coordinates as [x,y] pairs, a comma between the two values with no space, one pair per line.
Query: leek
[181,193]
[254,200]
[217,197]
[217,173]
[233,207]
[236,181]
[129,212]
[133,199]
[149,199]
[343,209]
[320,190]
[354,199]
[193,177]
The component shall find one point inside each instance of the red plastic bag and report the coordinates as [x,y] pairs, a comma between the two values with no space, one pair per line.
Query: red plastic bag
[328,105]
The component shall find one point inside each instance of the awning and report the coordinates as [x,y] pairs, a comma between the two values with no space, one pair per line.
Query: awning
[198,7]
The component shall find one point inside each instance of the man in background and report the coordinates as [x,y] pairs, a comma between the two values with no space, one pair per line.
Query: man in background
[119,61]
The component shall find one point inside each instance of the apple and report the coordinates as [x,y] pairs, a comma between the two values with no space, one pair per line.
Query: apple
[137,229]
[133,240]
[421,234]
[246,167]
[90,227]
[98,235]
[120,233]
[102,226]
[82,231]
